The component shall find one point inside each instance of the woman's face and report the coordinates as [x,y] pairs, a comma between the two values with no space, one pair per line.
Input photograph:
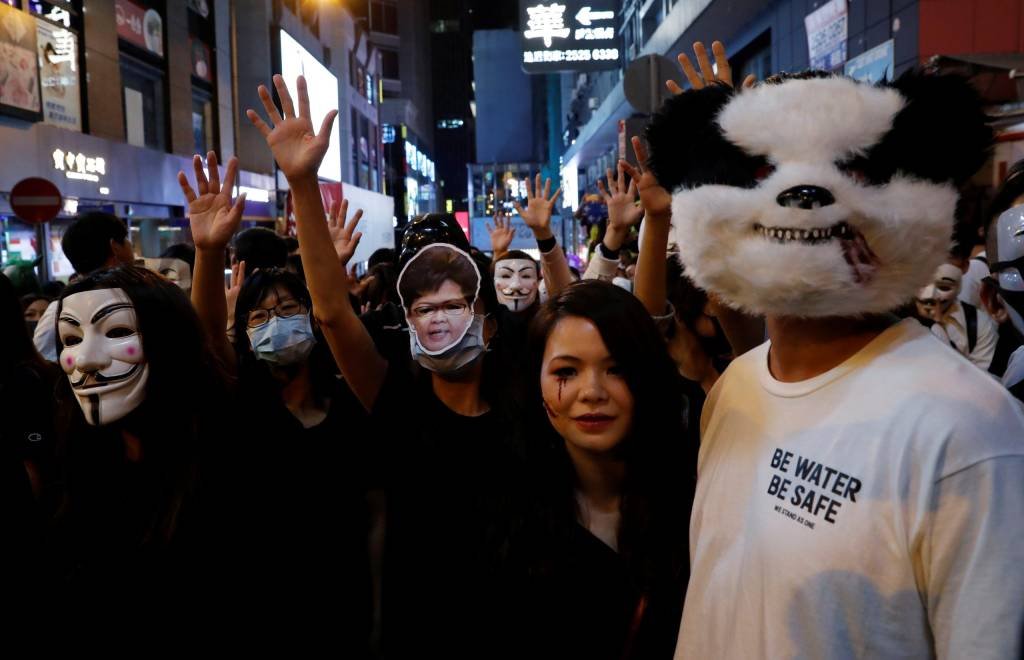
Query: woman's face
[440,318]
[585,394]
[277,301]
[35,311]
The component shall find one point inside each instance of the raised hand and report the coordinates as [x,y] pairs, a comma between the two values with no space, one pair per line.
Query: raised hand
[623,211]
[212,216]
[343,233]
[657,202]
[297,150]
[539,207]
[231,290]
[501,234]
[707,75]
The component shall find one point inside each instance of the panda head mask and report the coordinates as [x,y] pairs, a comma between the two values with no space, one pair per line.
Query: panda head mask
[814,195]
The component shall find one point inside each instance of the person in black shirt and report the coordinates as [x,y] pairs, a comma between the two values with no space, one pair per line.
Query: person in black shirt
[299,478]
[449,446]
[26,436]
[607,548]
[138,415]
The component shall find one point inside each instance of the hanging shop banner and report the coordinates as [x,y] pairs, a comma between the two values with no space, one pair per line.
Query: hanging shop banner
[569,35]
[141,27]
[19,71]
[826,35]
[874,66]
[58,74]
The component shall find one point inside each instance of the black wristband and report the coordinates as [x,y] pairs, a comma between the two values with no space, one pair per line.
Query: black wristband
[547,244]
[606,253]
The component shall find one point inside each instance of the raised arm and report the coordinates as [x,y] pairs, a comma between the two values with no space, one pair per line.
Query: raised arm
[537,216]
[649,284]
[623,213]
[214,220]
[501,235]
[298,152]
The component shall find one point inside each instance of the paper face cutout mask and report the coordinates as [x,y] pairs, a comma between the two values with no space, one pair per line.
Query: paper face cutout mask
[102,354]
[1006,262]
[516,283]
[815,195]
[438,287]
[175,270]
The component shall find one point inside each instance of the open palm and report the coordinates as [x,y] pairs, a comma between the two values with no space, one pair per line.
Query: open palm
[657,201]
[211,214]
[539,207]
[297,150]
[620,197]
[343,232]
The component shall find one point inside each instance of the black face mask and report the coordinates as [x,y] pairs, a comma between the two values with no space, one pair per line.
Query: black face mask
[31,327]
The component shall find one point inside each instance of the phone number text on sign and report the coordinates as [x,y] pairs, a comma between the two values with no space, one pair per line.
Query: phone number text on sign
[577,55]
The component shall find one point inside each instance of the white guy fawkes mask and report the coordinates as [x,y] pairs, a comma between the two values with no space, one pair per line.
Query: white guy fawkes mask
[948,279]
[1007,262]
[516,283]
[175,270]
[102,354]
[927,306]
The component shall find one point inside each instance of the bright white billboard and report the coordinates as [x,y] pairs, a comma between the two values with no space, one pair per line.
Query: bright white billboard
[323,96]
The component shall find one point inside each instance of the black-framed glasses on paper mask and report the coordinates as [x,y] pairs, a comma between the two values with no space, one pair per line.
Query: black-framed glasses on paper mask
[284,309]
[451,309]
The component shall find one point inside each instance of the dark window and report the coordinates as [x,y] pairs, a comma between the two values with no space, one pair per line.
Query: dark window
[389,64]
[144,115]
[383,17]
[202,120]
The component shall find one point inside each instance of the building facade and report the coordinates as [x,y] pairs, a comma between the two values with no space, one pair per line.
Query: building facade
[883,38]
[114,97]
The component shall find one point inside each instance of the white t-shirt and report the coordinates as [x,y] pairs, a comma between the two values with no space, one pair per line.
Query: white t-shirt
[45,336]
[874,511]
[1014,368]
[970,286]
[952,329]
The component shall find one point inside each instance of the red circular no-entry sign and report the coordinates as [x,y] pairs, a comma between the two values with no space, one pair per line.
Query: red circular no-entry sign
[35,200]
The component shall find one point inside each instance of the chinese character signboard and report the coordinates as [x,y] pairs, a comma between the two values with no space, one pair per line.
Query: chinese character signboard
[874,66]
[58,72]
[141,27]
[76,165]
[826,35]
[19,71]
[569,35]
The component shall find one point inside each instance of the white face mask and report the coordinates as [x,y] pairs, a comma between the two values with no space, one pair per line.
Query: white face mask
[175,270]
[102,354]
[464,353]
[927,306]
[1009,229]
[516,283]
[947,284]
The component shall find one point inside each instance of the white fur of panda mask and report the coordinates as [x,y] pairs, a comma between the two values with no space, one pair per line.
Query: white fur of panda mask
[815,195]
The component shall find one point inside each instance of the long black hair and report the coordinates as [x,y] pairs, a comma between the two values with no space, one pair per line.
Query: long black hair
[18,346]
[185,392]
[659,453]
[254,373]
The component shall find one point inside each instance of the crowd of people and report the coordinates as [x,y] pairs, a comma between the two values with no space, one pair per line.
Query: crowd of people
[471,455]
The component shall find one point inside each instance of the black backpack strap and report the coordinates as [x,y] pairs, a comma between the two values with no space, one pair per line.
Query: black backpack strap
[971,316]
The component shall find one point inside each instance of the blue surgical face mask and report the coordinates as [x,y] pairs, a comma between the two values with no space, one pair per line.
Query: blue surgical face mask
[282,342]
[461,355]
